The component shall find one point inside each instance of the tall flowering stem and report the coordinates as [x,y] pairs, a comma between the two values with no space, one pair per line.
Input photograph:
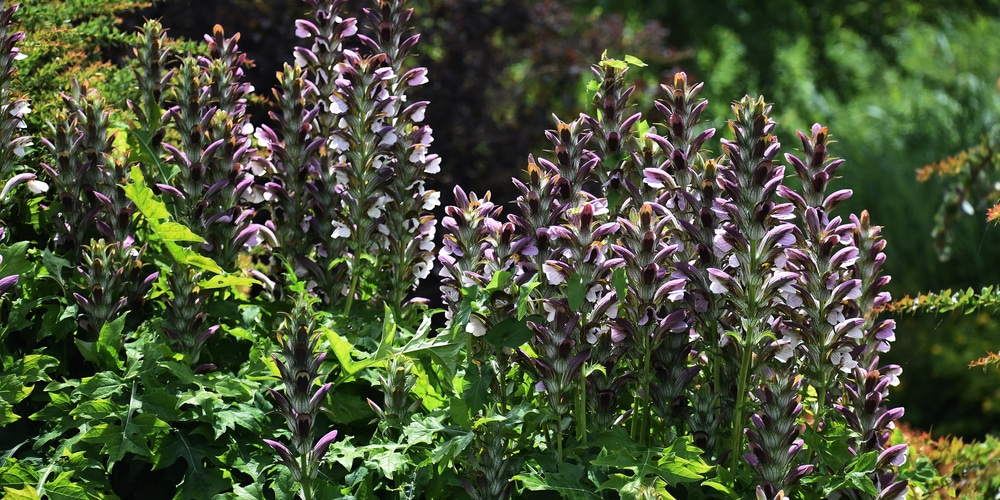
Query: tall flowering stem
[293,161]
[660,340]
[302,400]
[864,404]
[152,54]
[753,236]
[610,127]
[368,200]
[673,171]
[213,156]
[825,319]
[92,206]
[410,224]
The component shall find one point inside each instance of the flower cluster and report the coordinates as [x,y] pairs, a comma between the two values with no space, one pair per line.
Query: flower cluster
[351,158]
[212,182]
[92,207]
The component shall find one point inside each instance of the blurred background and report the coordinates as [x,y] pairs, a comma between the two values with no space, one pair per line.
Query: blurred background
[901,84]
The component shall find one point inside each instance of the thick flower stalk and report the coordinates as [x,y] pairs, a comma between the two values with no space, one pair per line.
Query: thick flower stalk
[864,403]
[656,331]
[152,54]
[187,323]
[751,238]
[81,146]
[673,172]
[824,328]
[464,251]
[610,127]
[212,158]
[398,404]
[305,189]
[229,228]
[112,280]
[302,400]
[317,159]
[490,464]
[773,435]
[866,413]
[558,364]
[408,215]
[293,159]
[355,167]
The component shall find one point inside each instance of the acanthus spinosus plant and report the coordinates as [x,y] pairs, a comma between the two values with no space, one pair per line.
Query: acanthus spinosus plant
[652,318]
[679,297]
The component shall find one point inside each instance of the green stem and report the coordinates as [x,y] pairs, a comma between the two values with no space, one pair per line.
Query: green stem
[741,400]
[581,408]
[306,477]
[646,400]
[559,447]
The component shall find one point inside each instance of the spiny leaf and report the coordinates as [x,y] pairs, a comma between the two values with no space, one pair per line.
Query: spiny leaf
[142,151]
[568,482]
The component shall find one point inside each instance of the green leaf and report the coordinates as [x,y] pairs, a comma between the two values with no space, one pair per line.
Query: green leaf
[500,281]
[176,232]
[238,415]
[23,493]
[619,280]
[642,127]
[511,332]
[15,259]
[95,409]
[576,291]
[388,459]
[635,61]
[187,257]
[446,452]
[443,353]
[63,488]
[423,429]
[109,344]
[478,379]
[461,318]
[15,474]
[615,63]
[524,296]
[100,385]
[649,468]
[568,482]
[388,334]
[135,436]
[226,281]
[343,350]
[145,200]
